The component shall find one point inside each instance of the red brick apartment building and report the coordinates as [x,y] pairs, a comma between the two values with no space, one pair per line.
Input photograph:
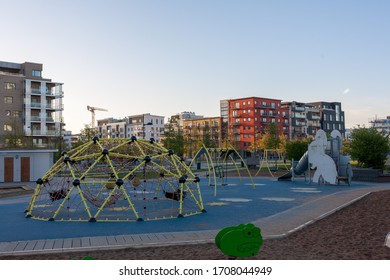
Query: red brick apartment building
[249,117]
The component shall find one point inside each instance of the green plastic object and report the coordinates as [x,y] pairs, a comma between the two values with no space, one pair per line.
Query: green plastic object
[88,258]
[239,241]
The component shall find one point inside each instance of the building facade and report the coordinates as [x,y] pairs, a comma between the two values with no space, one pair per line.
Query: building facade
[381,125]
[175,122]
[144,126]
[331,116]
[30,104]
[304,119]
[249,117]
[205,130]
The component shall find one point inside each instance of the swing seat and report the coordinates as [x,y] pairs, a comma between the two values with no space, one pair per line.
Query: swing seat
[174,195]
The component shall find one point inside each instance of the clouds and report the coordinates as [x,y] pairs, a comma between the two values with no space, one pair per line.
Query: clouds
[346,91]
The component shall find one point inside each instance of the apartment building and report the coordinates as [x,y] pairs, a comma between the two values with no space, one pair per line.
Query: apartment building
[331,116]
[30,104]
[382,125]
[144,126]
[175,122]
[304,119]
[204,130]
[250,116]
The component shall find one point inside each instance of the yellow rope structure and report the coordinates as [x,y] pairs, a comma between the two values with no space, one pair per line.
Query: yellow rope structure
[216,158]
[116,180]
[265,161]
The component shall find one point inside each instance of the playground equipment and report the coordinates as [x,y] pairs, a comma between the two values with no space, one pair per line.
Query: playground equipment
[324,157]
[117,180]
[239,241]
[218,161]
[266,162]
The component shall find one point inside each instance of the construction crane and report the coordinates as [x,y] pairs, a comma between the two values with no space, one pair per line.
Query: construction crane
[92,110]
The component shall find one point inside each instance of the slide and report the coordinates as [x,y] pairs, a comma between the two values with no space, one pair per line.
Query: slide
[299,169]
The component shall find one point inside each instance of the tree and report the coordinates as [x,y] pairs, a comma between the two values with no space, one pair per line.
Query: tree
[369,147]
[86,134]
[14,136]
[272,139]
[173,140]
[296,148]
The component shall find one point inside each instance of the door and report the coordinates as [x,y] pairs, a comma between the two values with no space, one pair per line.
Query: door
[25,169]
[8,169]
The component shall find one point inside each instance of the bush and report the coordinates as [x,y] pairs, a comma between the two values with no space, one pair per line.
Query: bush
[296,148]
[369,147]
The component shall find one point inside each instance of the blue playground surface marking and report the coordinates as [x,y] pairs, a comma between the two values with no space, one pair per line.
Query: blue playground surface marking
[234,204]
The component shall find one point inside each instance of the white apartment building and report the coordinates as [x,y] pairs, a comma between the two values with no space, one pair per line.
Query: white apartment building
[144,126]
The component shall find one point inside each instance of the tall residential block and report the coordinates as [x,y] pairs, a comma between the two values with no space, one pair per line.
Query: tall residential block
[332,116]
[305,119]
[249,117]
[30,104]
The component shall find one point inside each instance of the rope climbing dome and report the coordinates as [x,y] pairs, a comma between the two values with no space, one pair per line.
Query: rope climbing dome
[117,180]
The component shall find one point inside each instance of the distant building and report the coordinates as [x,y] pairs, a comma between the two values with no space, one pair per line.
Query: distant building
[382,125]
[175,122]
[70,139]
[144,126]
[204,130]
[304,119]
[332,116]
[249,117]
[30,104]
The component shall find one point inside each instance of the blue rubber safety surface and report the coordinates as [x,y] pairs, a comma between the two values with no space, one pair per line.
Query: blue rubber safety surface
[234,204]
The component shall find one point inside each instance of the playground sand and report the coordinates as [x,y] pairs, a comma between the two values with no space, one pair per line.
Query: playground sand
[356,232]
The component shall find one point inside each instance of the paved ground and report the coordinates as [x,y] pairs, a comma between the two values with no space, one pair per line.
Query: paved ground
[278,208]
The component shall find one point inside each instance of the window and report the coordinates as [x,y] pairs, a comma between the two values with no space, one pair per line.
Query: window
[9,86]
[8,99]
[243,103]
[8,113]
[249,103]
[16,113]
[36,73]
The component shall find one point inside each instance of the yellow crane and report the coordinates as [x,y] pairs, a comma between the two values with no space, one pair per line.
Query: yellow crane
[92,110]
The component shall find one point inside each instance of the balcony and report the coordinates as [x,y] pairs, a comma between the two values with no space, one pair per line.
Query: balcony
[236,124]
[272,114]
[298,108]
[36,90]
[314,117]
[298,123]
[35,105]
[299,116]
[35,119]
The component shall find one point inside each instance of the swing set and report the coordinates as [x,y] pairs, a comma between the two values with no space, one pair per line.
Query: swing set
[219,161]
[272,164]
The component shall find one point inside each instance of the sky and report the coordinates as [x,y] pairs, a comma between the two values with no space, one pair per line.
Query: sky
[165,57]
